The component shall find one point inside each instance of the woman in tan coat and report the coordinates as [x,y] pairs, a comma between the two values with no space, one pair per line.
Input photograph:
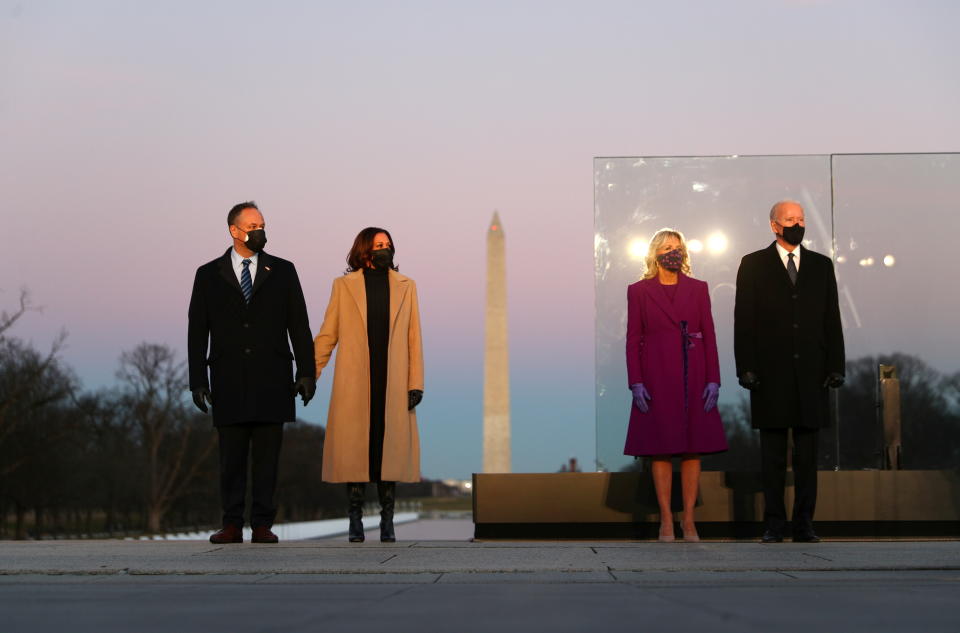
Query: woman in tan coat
[378,379]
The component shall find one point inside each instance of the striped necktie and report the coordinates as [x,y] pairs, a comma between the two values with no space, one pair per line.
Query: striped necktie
[246,285]
[792,269]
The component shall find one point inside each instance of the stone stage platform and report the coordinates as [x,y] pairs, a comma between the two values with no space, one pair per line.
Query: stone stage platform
[852,504]
[448,561]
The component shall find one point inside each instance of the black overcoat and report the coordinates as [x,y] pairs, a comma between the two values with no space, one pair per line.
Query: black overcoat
[251,377]
[789,336]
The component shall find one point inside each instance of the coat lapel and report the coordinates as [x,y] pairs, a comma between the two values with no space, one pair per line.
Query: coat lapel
[776,261]
[398,290]
[801,268]
[357,290]
[660,297]
[264,268]
[226,271]
[684,294]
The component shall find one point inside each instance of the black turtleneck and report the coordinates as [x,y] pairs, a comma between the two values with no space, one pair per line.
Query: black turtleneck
[377,285]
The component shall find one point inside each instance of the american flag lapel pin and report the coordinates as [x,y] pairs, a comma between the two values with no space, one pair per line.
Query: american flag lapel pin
[266,268]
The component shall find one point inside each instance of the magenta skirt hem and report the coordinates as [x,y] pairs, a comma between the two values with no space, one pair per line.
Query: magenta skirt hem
[712,450]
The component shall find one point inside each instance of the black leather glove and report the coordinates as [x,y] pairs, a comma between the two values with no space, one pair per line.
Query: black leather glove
[833,380]
[749,380]
[306,387]
[201,396]
[414,396]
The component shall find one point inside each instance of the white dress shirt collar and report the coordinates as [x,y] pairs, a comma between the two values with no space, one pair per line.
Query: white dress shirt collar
[237,260]
[784,253]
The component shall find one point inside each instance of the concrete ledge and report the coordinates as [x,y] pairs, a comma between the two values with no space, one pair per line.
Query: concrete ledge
[623,505]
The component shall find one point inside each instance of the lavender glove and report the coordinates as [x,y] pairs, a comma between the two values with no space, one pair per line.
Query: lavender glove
[640,397]
[710,394]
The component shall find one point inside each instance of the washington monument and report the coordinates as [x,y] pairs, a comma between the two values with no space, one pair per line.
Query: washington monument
[496,369]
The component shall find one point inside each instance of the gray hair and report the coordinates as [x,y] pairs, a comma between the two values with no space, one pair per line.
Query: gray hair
[776,206]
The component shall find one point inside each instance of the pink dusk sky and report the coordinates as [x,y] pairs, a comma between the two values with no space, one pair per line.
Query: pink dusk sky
[128,129]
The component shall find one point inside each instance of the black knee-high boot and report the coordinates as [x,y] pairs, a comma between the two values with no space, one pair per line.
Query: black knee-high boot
[356,492]
[387,491]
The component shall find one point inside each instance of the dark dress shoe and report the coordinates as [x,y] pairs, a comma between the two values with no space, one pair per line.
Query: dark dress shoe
[807,536]
[227,534]
[263,534]
[771,537]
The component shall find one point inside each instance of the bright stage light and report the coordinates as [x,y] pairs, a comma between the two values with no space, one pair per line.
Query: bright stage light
[841,259]
[694,246]
[889,261]
[717,243]
[866,262]
[638,248]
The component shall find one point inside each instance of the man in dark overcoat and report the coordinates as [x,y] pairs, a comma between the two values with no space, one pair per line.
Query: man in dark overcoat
[788,344]
[250,308]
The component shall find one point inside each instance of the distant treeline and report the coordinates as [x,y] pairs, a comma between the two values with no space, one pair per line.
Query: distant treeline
[130,460]
[930,421]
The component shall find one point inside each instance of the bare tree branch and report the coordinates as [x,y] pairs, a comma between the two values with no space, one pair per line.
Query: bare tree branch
[23,390]
[7,320]
[154,383]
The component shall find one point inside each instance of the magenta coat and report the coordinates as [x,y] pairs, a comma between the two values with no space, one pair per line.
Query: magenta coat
[676,423]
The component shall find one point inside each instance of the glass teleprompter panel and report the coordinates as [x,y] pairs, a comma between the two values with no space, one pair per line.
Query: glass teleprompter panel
[722,205]
[889,226]
[897,221]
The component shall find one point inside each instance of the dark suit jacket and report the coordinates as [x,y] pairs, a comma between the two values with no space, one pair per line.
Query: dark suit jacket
[789,336]
[251,378]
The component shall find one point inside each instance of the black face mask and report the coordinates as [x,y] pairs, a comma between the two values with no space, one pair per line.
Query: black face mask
[792,235]
[256,240]
[382,258]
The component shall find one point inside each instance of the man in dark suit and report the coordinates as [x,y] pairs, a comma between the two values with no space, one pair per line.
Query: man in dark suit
[247,303]
[788,344]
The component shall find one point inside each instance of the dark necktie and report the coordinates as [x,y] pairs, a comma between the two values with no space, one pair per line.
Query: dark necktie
[791,269]
[246,285]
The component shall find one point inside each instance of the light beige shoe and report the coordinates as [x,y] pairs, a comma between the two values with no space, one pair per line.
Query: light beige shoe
[666,538]
[691,536]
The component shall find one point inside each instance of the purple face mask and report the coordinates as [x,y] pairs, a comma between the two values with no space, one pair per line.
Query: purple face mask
[671,261]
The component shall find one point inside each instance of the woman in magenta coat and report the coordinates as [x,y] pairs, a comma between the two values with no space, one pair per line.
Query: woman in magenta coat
[674,374]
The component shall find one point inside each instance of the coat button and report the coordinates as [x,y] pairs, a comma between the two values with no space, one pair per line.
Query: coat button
[794,296]
[796,355]
[248,325]
[246,351]
[796,325]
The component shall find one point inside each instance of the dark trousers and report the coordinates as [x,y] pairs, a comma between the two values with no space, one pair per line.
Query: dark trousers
[261,443]
[773,457]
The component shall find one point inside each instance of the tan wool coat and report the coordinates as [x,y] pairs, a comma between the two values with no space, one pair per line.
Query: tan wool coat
[346,447]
